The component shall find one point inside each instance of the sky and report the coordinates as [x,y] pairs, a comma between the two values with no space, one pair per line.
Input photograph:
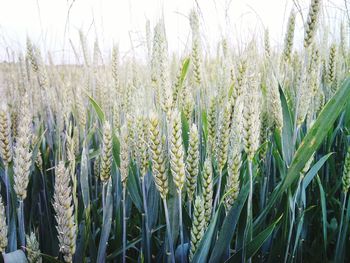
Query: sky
[52,24]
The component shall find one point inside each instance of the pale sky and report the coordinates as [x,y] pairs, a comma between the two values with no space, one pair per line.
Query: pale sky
[51,26]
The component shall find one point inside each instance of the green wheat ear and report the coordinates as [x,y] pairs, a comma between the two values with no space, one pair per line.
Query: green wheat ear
[157,148]
[207,189]
[106,157]
[192,162]
[176,151]
[198,225]
[346,172]
[5,135]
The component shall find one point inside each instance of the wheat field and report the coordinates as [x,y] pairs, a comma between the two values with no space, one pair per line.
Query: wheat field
[243,156]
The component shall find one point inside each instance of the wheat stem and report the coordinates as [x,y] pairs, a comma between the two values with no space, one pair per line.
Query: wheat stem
[8,198]
[248,230]
[342,218]
[181,227]
[124,225]
[148,232]
[21,223]
[170,236]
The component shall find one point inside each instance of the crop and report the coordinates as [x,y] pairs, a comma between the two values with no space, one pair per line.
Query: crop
[239,157]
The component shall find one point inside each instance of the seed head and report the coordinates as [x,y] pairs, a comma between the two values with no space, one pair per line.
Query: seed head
[124,155]
[311,23]
[23,154]
[251,121]
[192,162]
[346,172]
[198,225]
[207,189]
[289,37]
[64,209]
[5,136]
[33,249]
[177,164]
[106,157]
[3,228]
[157,156]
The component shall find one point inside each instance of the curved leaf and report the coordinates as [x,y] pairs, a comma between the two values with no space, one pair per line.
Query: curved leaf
[254,245]
[229,226]
[98,109]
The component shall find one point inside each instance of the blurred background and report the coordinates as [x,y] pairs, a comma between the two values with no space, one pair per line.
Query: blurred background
[54,24]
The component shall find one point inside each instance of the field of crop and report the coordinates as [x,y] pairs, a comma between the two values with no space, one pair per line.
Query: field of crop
[239,157]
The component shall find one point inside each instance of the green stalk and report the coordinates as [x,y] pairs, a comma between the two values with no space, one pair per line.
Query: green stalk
[21,224]
[248,230]
[341,219]
[292,222]
[7,185]
[124,225]
[75,186]
[181,227]
[104,184]
[170,236]
[148,232]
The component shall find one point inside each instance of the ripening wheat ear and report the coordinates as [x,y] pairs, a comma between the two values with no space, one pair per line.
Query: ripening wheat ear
[331,72]
[22,153]
[141,145]
[222,146]
[84,48]
[234,162]
[192,162]
[187,104]
[212,123]
[33,249]
[64,209]
[124,155]
[177,164]
[251,121]
[3,228]
[178,87]
[311,23]
[31,56]
[289,37]
[157,156]
[5,136]
[207,189]
[198,225]
[196,48]
[346,172]
[223,137]
[232,184]
[81,109]
[130,129]
[106,157]
[274,102]
[304,92]
[115,70]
